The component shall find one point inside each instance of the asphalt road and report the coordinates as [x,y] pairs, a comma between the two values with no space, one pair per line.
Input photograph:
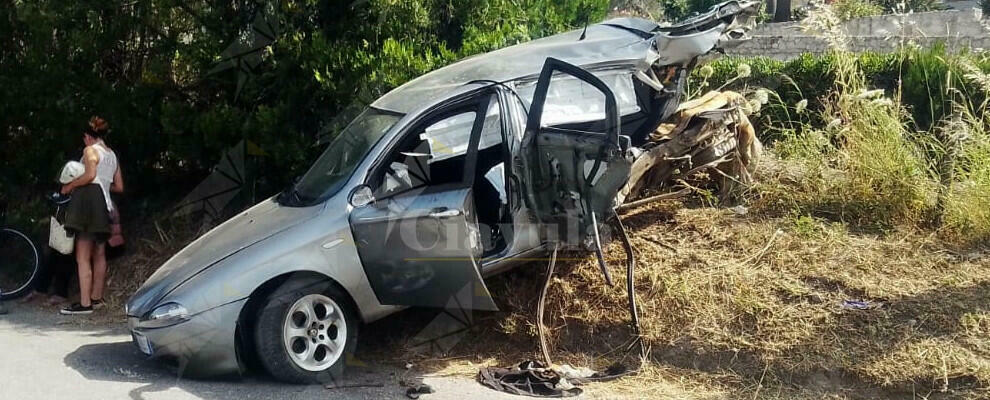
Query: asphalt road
[47,356]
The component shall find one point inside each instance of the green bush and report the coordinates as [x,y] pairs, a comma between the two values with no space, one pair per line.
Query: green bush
[912,151]
[674,10]
[851,9]
[921,76]
[965,166]
[966,208]
[156,71]
[905,6]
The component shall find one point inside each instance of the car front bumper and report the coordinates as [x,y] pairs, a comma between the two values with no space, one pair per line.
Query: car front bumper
[204,346]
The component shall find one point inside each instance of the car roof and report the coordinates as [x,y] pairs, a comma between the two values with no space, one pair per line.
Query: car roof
[616,40]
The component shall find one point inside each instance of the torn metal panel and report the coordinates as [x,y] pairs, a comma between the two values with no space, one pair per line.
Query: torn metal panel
[573,174]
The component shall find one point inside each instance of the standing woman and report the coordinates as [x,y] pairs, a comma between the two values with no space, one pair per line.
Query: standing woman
[88,215]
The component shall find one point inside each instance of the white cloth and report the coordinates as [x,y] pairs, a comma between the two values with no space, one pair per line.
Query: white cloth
[106,168]
[71,171]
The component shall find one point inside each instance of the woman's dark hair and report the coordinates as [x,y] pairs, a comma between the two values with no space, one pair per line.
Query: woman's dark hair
[97,127]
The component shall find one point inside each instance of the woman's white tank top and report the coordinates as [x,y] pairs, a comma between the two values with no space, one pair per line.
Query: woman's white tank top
[106,168]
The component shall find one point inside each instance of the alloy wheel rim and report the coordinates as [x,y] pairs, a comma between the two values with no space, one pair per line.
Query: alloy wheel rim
[314,332]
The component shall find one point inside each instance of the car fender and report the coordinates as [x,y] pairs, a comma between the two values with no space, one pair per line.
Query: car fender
[323,245]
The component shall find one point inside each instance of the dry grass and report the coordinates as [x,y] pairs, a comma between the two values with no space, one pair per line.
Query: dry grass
[732,306]
[152,241]
[726,319]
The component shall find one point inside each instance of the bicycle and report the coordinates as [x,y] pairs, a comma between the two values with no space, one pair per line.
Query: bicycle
[19,258]
[19,262]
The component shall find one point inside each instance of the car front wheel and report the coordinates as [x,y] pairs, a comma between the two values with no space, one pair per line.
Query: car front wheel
[305,332]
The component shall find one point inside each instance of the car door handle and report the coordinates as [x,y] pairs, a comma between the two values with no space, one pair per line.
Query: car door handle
[443,212]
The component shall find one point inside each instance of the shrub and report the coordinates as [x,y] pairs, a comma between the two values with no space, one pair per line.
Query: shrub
[904,6]
[966,208]
[965,134]
[675,10]
[920,76]
[929,78]
[175,107]
[887,179]
[913,151]
[861,162]
[851,9]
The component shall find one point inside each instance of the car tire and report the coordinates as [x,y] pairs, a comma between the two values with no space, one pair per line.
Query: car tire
[305,332]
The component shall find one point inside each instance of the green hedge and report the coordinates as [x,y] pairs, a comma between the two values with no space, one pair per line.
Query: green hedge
[155,70]
[921,75]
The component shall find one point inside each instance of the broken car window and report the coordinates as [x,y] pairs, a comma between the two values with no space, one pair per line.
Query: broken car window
[410,170]
[432,155]
[571,100]
[449,138]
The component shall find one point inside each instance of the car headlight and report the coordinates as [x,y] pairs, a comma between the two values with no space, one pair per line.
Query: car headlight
[167,314]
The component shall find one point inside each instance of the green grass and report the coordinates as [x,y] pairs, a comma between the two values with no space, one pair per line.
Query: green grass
[851,9]
[858,154]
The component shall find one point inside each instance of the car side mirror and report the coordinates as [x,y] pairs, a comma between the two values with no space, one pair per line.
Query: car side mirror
[362,196]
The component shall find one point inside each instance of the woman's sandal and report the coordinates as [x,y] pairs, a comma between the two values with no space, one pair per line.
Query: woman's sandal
[97,304]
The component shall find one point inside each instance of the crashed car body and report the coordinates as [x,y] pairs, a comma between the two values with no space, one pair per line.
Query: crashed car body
[453,177]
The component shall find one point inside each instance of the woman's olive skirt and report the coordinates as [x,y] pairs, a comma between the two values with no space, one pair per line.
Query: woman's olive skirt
[87,216]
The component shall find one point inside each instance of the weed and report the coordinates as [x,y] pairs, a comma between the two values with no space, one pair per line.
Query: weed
[857,157]
[851,9]
[965,209]
[805,226]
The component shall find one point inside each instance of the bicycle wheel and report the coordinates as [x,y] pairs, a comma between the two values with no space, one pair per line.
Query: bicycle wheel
[18,264]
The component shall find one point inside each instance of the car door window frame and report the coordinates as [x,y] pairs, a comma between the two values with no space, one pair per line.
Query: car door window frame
[534,122]
[553,66]
[556,162]
[513,114]
[477,102]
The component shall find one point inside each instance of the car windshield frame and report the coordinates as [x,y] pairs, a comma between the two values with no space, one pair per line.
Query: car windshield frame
[335,166]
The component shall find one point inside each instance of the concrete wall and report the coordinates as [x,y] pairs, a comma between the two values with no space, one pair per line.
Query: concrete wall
[957,29]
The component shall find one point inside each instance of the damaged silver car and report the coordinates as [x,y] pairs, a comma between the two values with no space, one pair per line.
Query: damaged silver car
[453,177]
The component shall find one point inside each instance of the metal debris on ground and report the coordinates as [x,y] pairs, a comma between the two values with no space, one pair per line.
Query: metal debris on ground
[529,378]
[739,210]
[861,305]
[533,378]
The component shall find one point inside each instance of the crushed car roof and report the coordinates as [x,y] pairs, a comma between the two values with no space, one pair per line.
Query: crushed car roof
[616,40]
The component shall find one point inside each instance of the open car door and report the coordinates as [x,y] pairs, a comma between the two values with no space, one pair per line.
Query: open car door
[421,247]
[573,174]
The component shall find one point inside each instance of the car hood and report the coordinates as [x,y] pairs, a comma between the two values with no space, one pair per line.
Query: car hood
[254,225]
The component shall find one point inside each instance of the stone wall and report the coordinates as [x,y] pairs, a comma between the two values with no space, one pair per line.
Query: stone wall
[957,29]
